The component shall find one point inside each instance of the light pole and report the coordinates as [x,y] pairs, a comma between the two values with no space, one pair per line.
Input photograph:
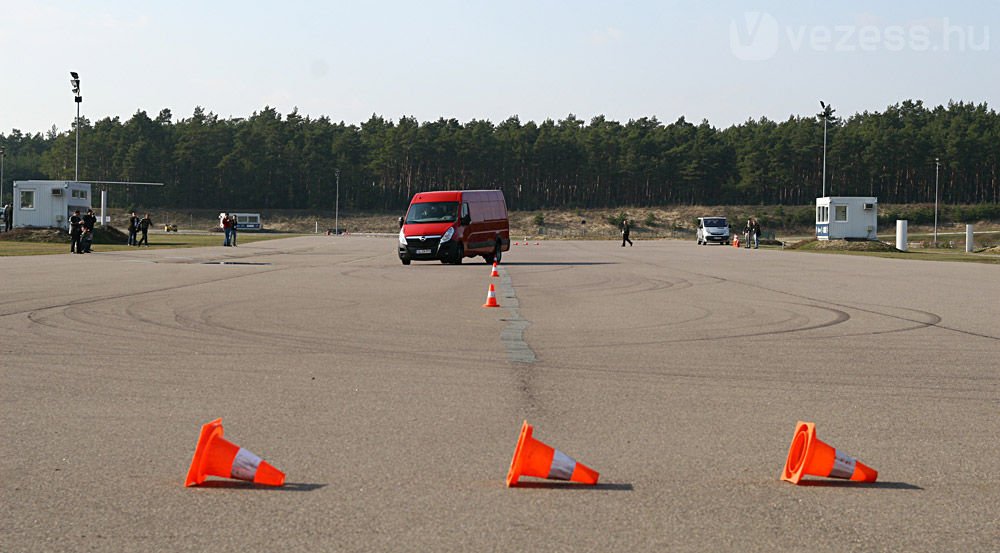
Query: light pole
[826,114]
[75,82]
[937,171]
[3,154]
[336,210]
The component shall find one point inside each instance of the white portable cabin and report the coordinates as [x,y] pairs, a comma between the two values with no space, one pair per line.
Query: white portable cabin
[48,203]
[846,218]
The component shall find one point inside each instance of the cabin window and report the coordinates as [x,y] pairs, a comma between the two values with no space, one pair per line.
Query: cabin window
[822,214]
[27,199]
[840,213]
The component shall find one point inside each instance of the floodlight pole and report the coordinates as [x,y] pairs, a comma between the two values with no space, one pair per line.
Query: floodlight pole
[75,82]
[3,154]
[824,156]
[336,210]
[937,171]
[826,117]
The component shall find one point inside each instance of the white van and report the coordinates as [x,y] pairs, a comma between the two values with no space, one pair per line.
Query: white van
[713,229]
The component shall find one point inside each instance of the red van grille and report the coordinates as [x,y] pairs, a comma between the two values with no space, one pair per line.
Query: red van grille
[431,243]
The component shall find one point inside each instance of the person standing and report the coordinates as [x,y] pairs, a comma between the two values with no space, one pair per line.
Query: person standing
[8,216]
[144,227]
[232,229]
[755,232]
[75,232]
[227,228]
[133,228]
[626,229]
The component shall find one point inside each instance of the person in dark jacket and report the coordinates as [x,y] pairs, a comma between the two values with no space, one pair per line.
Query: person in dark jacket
[755,233]
[144,227]
[626,228]
[75,232]
[232,229]
[133,228]
[89,220]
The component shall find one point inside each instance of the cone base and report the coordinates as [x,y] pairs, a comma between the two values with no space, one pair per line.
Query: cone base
[196,473]
[515,464]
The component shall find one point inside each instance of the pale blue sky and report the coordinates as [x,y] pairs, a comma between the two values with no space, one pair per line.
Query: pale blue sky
[724,62]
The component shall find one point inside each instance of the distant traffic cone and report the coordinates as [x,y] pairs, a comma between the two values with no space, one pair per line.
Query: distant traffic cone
[216,456]
[808,455]
[534,458]
[491,298]
[516,244]
[494,273]
[736,242]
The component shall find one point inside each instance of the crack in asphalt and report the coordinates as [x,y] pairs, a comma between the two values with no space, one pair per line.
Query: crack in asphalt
[512,335]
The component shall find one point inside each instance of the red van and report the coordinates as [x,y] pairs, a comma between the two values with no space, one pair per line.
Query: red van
[450,226]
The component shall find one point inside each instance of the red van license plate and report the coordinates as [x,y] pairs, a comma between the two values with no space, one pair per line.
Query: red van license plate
[420,252]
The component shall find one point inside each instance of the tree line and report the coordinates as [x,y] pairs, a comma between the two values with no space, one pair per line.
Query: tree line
[270,161]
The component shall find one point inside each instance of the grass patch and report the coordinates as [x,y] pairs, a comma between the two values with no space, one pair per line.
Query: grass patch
[881,249]
[157,241]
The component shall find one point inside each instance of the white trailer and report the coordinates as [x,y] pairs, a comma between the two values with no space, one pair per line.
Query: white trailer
[48,203]
[846,218]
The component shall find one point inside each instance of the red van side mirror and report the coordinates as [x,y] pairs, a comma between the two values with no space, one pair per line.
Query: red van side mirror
[400,222]
[466,219]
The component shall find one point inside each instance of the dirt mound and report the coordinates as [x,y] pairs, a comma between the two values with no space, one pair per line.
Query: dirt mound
[45,235]
[993,250]
[102,235]
[843,245]
[109,235]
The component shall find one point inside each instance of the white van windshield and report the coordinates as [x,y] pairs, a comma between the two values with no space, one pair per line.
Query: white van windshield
[432,212]
[715,222]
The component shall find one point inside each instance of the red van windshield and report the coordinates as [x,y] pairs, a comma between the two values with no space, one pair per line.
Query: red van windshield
[432,212]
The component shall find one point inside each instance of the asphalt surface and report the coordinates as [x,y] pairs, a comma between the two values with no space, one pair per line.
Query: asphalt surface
[392,400]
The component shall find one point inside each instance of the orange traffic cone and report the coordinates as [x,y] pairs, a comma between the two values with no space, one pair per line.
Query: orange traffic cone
[216,456]
[534,458]
[516,244]
[491,298]
[809,456]
[494,273]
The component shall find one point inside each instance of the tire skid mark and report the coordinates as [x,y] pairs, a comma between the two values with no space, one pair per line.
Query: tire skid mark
[839,317]
[936,319]
[112,297]
[768,382]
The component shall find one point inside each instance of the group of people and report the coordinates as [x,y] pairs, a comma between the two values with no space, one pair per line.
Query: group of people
[751,233]
[227,222]
[8,217]
[81,231]
[137,226]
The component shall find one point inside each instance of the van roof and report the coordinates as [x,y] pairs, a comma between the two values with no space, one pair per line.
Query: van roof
[448,195]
